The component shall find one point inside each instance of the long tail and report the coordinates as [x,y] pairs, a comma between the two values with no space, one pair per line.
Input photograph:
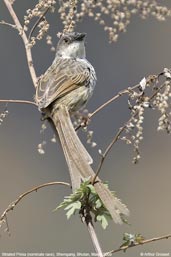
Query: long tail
[79,161]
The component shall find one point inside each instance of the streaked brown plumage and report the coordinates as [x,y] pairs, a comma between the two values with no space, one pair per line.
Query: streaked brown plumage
[64,76]
[64,88]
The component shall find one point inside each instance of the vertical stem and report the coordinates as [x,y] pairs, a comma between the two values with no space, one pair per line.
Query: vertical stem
[25,41]
[94,239]
[88,222]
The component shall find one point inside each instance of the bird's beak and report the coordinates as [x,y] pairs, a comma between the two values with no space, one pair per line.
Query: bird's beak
[80,36]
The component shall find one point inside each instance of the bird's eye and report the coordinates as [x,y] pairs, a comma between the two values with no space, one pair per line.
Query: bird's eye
[66,40]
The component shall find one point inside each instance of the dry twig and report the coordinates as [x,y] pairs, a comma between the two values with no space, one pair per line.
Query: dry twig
[11,206]
[124,248]
[128,91]
[8,24]
[17,101]
[25,41]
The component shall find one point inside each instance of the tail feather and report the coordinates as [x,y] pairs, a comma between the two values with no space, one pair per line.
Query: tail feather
[111,202]
[78,160]
[74,173]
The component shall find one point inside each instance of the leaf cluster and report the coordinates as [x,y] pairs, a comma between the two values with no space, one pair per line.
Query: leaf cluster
[131,239]
[87,203]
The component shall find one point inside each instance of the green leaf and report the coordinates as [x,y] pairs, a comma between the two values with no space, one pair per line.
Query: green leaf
[92,189]
[70,212]
[72,209]
[139,238]
[76,205]
[103,221]
[86,200]
[98,203]
[131,239]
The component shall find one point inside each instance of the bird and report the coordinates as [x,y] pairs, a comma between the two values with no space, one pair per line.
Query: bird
[63,89]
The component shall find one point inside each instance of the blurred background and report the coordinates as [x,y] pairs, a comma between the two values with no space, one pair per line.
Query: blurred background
[144,49]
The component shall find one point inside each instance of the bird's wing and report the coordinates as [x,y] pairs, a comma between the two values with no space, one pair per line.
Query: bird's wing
[61,78]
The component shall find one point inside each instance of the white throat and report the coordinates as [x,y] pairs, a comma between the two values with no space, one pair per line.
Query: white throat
[73,50]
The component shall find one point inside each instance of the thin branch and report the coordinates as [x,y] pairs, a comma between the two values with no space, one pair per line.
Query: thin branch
[86,218]
[124,248]
[90,115]
[8,24]
[109,147]
[149,79]
[157,91]
[37,22]
[121,93]
[111,100]
[94,239]
[25,41]
[17,101]
[7,226]
[116,137]
[34,189]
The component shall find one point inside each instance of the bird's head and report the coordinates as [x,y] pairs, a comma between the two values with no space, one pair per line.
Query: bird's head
[71,44]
